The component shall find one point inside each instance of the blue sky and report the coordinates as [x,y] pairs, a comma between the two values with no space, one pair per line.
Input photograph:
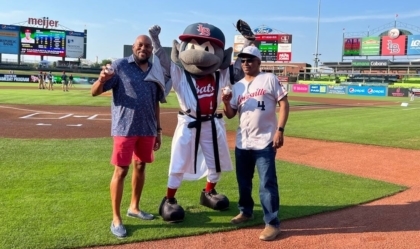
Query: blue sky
[111,24]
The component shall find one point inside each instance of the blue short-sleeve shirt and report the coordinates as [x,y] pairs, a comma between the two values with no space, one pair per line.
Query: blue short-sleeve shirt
[134,100]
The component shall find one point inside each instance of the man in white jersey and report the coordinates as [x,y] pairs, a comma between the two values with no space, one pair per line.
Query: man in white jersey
[260,134]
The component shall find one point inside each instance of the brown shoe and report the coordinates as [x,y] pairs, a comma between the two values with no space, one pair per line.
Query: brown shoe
[269,233]
[241,218]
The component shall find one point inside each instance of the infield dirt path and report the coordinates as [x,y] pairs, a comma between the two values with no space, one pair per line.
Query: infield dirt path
[392,222]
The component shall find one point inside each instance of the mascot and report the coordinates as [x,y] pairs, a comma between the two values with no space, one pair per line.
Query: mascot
[200,68]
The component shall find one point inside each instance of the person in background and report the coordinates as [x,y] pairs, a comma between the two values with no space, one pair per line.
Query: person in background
[71,80]
[41,80]
[50,80]
[259,135]
[64,82]
[45,80]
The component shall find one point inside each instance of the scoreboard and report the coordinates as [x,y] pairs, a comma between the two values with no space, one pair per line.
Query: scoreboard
[275,47]
[38,41]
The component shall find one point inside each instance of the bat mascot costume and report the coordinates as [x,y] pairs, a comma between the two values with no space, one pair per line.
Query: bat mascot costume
[200,68]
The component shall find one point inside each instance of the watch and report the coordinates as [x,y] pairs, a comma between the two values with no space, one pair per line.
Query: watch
[281,129]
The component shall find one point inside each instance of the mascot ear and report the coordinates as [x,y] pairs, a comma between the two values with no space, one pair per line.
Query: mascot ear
[175,52]
[227,58]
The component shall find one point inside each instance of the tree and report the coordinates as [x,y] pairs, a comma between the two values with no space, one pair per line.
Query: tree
[104,62]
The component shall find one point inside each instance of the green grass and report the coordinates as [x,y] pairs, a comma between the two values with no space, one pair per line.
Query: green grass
[55,195]
[389,126]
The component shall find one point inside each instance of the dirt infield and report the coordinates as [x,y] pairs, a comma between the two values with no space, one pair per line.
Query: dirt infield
[391,222]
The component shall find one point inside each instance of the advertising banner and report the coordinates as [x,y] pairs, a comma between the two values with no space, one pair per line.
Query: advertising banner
[237,47]
[416,91]
[317,88]
[239,39]
[370,45]
[9,39]
[18,78]
[398,92]
[284,47]
[393,46]
[285,38]
[413,45]
[351,46]
[284,56]
[300,88]
[336,89]
[38,41]
[367,90]
[74,44]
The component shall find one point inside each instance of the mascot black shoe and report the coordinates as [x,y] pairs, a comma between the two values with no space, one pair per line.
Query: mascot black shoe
[171,211]
[214,200]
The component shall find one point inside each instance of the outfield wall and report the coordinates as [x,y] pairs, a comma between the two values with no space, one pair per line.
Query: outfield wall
[352,90]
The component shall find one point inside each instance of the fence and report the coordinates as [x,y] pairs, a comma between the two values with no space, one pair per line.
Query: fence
[352,90]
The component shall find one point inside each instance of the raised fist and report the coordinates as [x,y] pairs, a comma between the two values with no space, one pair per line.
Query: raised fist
[154,31]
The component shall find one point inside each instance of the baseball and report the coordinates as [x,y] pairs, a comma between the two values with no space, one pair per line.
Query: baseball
[109,70]
[226,91]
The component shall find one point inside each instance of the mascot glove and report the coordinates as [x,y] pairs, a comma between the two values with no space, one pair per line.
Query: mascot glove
[154,32]
[245,30]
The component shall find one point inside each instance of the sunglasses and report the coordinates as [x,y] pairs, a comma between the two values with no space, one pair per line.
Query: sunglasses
[247,60]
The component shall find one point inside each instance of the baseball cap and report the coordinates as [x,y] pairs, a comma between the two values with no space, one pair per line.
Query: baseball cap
[27,31]
[204,31]
[250,50]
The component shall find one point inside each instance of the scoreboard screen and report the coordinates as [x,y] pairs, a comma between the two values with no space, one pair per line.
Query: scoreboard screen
[274,47]
[38,41]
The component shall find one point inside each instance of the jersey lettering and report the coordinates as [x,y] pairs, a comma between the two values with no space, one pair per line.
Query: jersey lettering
[261,104]
[206,87]
[245,97]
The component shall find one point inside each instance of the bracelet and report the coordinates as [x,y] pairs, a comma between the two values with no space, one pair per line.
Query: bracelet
[159,129]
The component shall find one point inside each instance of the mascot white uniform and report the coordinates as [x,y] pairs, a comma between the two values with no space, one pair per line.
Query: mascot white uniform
[200,68]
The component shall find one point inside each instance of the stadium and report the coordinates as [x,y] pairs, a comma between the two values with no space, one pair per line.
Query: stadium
[348,171]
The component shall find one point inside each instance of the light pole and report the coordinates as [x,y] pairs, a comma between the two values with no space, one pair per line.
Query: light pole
[316,59]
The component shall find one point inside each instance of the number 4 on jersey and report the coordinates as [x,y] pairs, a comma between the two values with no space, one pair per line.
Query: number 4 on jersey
[261,104]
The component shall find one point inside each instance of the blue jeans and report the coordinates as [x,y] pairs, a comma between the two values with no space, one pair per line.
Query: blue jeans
[268,190]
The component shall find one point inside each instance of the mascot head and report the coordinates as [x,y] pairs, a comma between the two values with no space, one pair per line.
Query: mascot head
[202,49]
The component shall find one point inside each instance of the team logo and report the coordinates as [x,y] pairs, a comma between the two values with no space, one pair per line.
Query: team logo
[351,90]
[203,30]
[3,26]
[285,39]
[415,43]
[393,48]
[393,33]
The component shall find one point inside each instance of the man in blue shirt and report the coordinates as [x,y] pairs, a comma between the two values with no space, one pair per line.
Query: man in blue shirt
[137,87]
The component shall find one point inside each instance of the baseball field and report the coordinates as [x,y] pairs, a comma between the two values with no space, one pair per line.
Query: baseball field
[348,176]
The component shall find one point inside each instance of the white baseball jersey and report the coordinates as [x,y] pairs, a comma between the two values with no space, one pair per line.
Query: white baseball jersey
[256,103]
[182,150]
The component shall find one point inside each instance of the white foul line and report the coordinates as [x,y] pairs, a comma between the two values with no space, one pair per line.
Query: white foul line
[93,117]
[30,115]
[65,116]
[20,109]
[42,124]
[77,125]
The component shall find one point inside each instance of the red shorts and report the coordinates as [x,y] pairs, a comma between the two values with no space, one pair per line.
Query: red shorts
[134,147]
